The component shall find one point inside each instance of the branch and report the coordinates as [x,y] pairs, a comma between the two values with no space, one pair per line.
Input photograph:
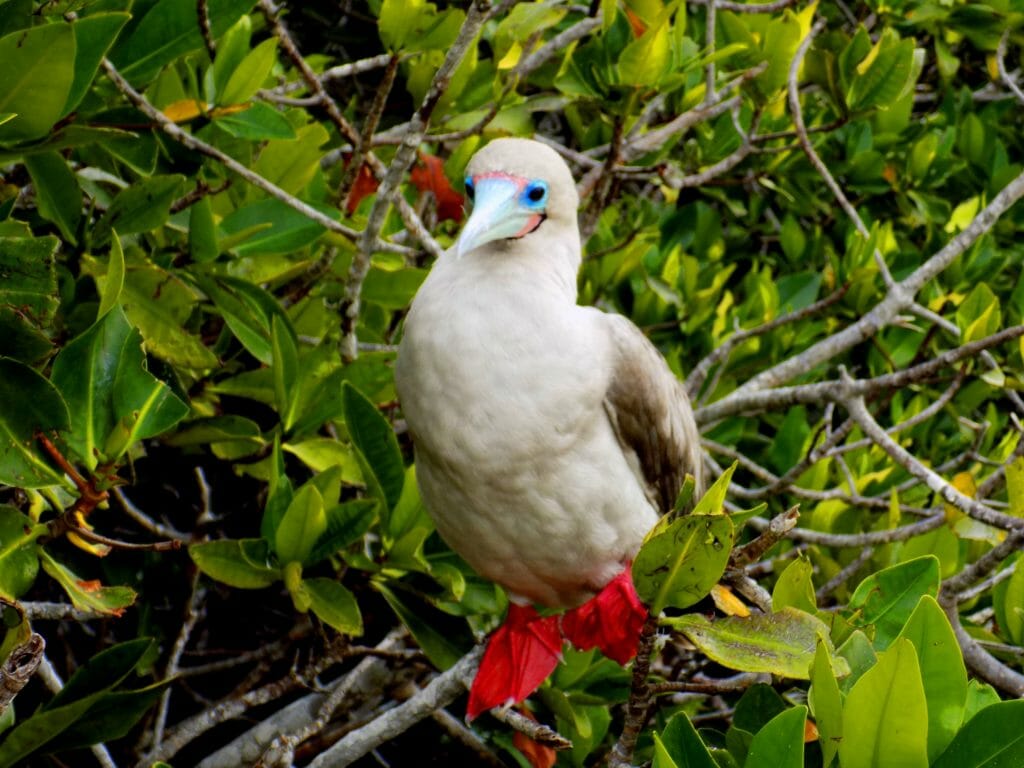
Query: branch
[439,693]
[640,697]
[404,157]
[1004,75]
[186,139]
[19,667]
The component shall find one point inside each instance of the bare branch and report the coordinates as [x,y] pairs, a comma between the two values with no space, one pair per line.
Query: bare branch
[1004,75]
[439,693]
[640,696]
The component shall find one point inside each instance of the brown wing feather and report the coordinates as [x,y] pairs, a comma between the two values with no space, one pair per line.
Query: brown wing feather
[651,415]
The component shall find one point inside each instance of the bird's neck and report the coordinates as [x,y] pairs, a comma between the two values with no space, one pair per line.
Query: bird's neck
[546,260]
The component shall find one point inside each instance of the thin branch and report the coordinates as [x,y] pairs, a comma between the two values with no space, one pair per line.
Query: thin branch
[203,15]
[186,139]
[776,530]
[729,5]
[846,573]
[439,693]
[712,686]
[640,697]
[538,732]
[1004,75]
[18,668]
[192,614]
[144,520]
[404,157]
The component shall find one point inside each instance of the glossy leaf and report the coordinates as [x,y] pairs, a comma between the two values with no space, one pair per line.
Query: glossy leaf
[826,704]
[88,595]
[19,562]
[781,643]
[58,195]
[886,599]
[374,439]
[248,76]
[884,714]
[94,35]
[679,565]
[780,743]
[300,528]
[28,404]
[679,746]
[334,605]
[236,562]
[993,738]
[39,65]
[794,588]
[942,672]
[139,208]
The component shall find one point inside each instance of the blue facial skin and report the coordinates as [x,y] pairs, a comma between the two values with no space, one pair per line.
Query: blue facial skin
[504,207]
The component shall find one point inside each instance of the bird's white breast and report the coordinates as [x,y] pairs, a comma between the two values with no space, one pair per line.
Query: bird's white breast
[502,380]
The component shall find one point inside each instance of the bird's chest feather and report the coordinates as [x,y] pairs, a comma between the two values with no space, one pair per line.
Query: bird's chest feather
[499,375]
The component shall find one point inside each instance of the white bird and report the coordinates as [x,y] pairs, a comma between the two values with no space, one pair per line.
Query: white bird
[549,436]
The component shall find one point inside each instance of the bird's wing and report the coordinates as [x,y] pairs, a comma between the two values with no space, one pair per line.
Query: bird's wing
[651,414]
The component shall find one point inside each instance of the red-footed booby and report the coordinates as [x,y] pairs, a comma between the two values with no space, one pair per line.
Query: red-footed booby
[549,436]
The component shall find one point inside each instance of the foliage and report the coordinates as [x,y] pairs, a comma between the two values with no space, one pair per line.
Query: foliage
[213,217]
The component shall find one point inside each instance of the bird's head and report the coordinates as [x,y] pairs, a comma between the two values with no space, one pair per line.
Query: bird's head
[517,186]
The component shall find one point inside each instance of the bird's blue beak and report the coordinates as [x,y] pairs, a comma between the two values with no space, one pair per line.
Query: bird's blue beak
[498,213]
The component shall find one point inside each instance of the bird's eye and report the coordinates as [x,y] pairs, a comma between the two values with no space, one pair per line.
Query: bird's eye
[537,192]
[469,187]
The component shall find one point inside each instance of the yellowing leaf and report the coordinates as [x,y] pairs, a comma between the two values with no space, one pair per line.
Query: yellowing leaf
[185,110]
[727,602]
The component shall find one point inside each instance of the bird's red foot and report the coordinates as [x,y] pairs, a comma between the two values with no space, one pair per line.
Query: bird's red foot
[611,620]
[520,655]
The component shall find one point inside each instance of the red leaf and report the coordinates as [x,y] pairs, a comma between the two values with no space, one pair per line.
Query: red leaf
[538,755]
[365,184]
[611,620]
[428,176]
[520,655]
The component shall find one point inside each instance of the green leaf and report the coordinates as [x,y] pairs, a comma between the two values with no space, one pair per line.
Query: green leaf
[170,29]
[346,524]
[113,284]
[29,282]
[19,562]
[883,75]
[249,75]
[860,657]
[258,122]
[679,565]
[993,738]
[780,744]
[57,192]
[794,587]
[376,443]
[270,226]
[40,729]
[303,523]
[942,672]
[884,714]
[88,595]
[780,643]
[249,311]
[1010,618]
[159,304]
[202,232]
[682,746]
[104,671]
[238,563]
[713,500]
[415,25]
[143,206]
[116,401]
[110,717]
[645,60]
[826,704]
[978,315]
[94,34]
[886,599]
[335,605]
[39,64]
[28,404]
[285,366]
[444,638]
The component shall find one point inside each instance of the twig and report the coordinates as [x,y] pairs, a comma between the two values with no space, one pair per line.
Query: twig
[845,573]
[192,615]
[640,696]
[540,733]
[41,611]
[729,5]
[984,586]
[698,375]
[51,679]
[706,685]
[777,529]
[457,730]
[355,163]
[404,157]
[1004,75]
[19,667]
[197,145]
[710,95]
[439,693]
[145,520]
[203,15]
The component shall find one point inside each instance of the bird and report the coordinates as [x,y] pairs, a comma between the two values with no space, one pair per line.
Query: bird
[549,436]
